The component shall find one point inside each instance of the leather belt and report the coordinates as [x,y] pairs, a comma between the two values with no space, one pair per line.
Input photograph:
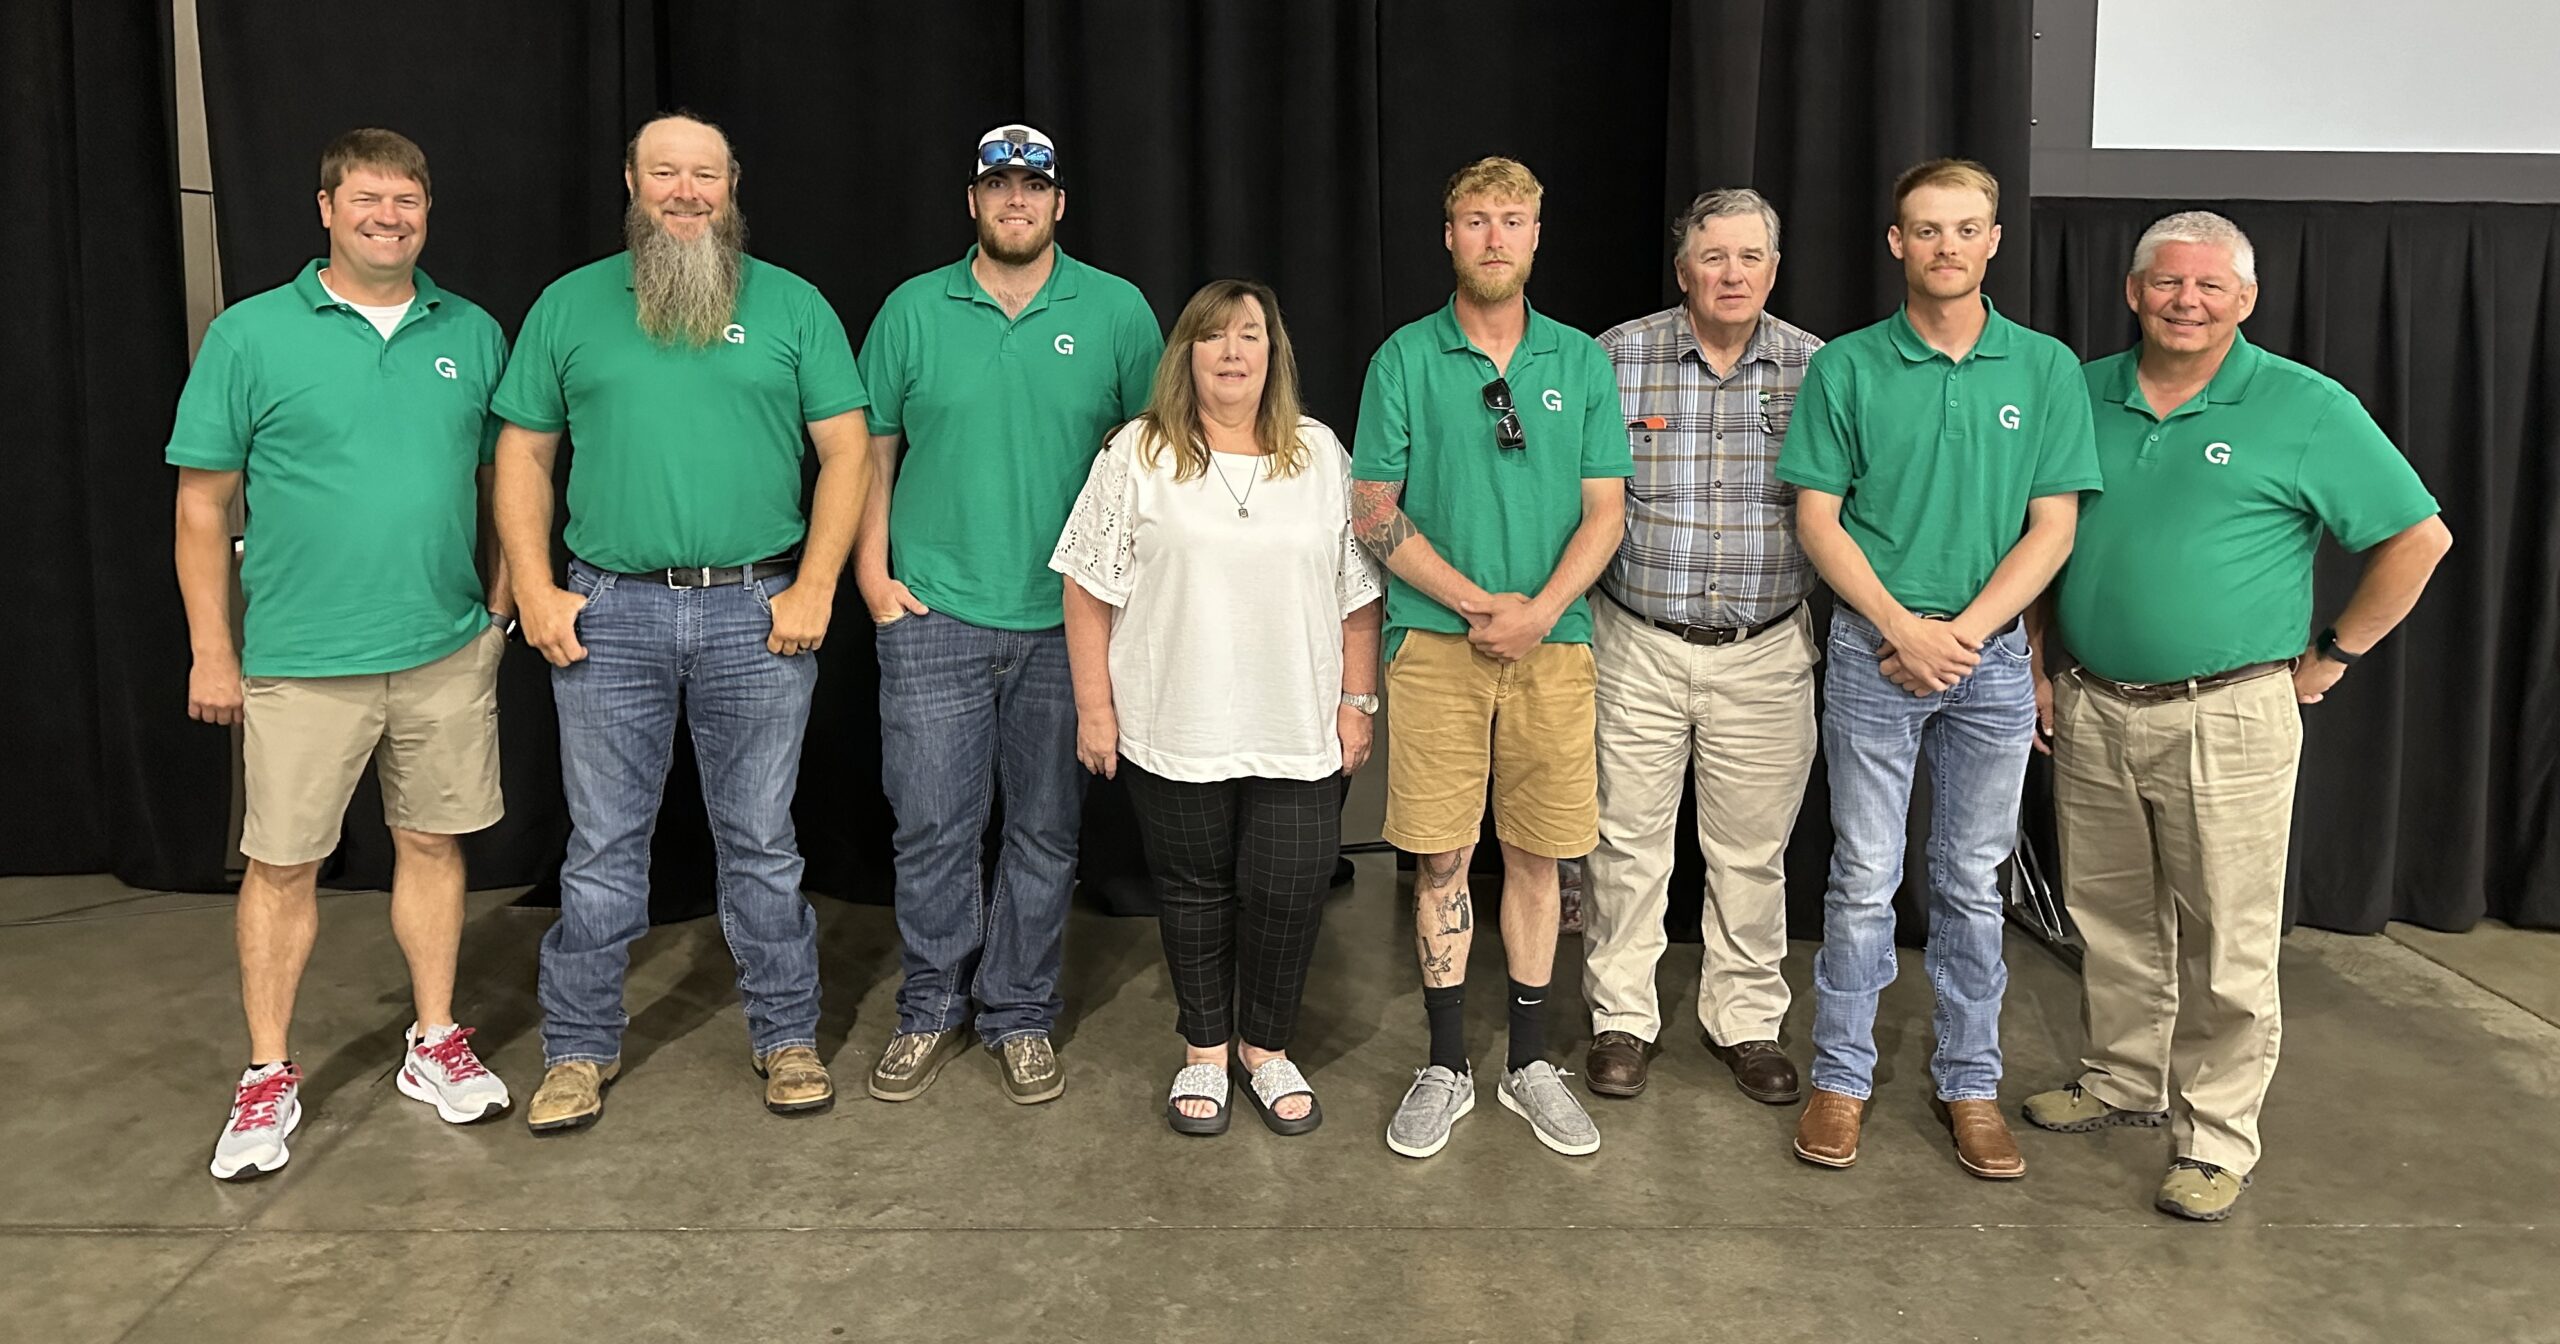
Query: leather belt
[716,576]
[2014,621]
[1710,636]
[2162,692]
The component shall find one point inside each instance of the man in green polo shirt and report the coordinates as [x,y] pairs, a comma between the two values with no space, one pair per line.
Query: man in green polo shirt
[1001,375]
[1939,457]
[353,403]
[686,372]
[1489,476]
[2185,618]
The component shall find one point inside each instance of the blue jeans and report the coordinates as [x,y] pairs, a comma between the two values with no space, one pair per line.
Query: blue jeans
[1977,734]
[962,710]
[649,648]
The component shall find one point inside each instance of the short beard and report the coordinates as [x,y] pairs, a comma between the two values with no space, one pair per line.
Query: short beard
[1473,285]
[994,250]
[687,289]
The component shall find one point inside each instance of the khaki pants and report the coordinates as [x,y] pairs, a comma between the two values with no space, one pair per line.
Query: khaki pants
[1739,718]
[2174,819]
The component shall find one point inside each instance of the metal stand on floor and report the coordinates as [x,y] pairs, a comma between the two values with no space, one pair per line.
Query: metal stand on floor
[2034,907]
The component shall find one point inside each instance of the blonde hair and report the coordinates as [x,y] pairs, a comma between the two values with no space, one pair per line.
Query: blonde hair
[1172,417]
[1957,173]
[1498,178]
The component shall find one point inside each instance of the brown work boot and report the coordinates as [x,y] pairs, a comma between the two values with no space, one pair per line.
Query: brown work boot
[1983,1144]
[1827,1136]
[571,1096]
[1760,1069]
[1617,1064]
[795,1083]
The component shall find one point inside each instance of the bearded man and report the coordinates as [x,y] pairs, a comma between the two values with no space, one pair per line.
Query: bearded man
[685,370]
[1490,478]
[1000,375]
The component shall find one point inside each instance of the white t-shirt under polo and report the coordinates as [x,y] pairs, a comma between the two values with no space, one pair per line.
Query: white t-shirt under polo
[1226,638]
[385,317]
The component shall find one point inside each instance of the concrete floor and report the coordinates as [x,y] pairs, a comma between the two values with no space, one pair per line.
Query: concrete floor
[2412,1190]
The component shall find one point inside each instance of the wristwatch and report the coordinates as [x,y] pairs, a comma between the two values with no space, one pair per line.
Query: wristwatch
[1366,704]
[2327,647]
[506,624]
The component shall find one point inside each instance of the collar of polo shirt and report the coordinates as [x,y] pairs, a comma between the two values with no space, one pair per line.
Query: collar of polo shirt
[2230,382]
[1537,336]
[307,285]
[1994,342]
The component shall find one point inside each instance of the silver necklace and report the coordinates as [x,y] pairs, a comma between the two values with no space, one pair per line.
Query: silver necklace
[1241,510]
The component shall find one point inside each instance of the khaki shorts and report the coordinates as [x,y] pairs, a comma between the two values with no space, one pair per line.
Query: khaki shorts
[432,732]
[1459,717]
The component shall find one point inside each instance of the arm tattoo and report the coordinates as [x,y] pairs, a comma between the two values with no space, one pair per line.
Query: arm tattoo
[1380,526]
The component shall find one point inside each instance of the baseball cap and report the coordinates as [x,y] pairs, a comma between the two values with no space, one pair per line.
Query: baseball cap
[1015,146]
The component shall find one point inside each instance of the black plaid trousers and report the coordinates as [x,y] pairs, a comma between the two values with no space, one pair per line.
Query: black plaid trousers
[1241,869]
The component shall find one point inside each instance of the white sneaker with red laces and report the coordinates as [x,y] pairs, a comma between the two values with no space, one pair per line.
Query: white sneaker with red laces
[263,1115]
[440,1070]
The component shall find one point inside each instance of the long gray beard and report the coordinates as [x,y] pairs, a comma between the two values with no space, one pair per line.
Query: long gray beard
[687,289]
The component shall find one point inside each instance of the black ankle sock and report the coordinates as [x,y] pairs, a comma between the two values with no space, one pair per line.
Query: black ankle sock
[1528,1024]
[1445,1004]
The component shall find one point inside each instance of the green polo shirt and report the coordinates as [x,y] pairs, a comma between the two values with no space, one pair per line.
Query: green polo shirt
[1002,418]
[680,456]
[361,457]
[1502,518]
[2198,558]
[1936,458]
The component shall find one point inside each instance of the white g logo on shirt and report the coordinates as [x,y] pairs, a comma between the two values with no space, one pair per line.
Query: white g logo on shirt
[734,334]
[2009,417]
[1551,399]
[2219,454]
[445,368]
[1065,344]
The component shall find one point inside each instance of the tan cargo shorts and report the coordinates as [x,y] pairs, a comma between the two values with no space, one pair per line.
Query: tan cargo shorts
[431,732]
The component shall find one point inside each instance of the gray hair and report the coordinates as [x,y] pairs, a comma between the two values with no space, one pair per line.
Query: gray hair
[2197,226]
[1716,205]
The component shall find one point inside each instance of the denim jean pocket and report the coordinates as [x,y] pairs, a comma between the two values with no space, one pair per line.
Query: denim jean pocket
[593,585]
[1852,635]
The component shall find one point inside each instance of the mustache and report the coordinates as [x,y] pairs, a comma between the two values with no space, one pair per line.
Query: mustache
[686,289]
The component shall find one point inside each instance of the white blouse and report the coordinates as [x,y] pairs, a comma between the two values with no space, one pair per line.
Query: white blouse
[1229,595]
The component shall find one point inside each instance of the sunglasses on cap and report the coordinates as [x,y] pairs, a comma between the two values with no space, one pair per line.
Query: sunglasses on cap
[999,153]
[1506,430]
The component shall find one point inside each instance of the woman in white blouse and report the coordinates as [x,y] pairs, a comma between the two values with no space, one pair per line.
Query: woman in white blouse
[1223,629]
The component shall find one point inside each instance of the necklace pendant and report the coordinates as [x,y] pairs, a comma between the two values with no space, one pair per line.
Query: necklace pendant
[1243,512]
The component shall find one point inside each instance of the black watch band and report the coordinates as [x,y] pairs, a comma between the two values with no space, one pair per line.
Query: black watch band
[2328,648]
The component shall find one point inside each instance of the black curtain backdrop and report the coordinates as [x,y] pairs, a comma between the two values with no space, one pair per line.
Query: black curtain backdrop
[2428,787]
[105,771]
[1303,144]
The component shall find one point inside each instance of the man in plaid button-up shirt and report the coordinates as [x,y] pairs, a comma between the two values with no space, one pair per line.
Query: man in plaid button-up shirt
[1704,655]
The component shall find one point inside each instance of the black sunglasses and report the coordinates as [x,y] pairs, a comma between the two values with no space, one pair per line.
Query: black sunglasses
[1506,431]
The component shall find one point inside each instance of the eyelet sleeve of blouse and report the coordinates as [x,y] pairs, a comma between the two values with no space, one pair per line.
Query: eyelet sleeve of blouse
[1099,546]
[1359,580]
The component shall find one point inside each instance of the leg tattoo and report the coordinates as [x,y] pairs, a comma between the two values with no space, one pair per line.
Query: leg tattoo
[1444,918]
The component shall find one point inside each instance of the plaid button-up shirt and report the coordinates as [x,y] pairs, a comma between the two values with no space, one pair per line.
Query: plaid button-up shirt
[1711,530]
